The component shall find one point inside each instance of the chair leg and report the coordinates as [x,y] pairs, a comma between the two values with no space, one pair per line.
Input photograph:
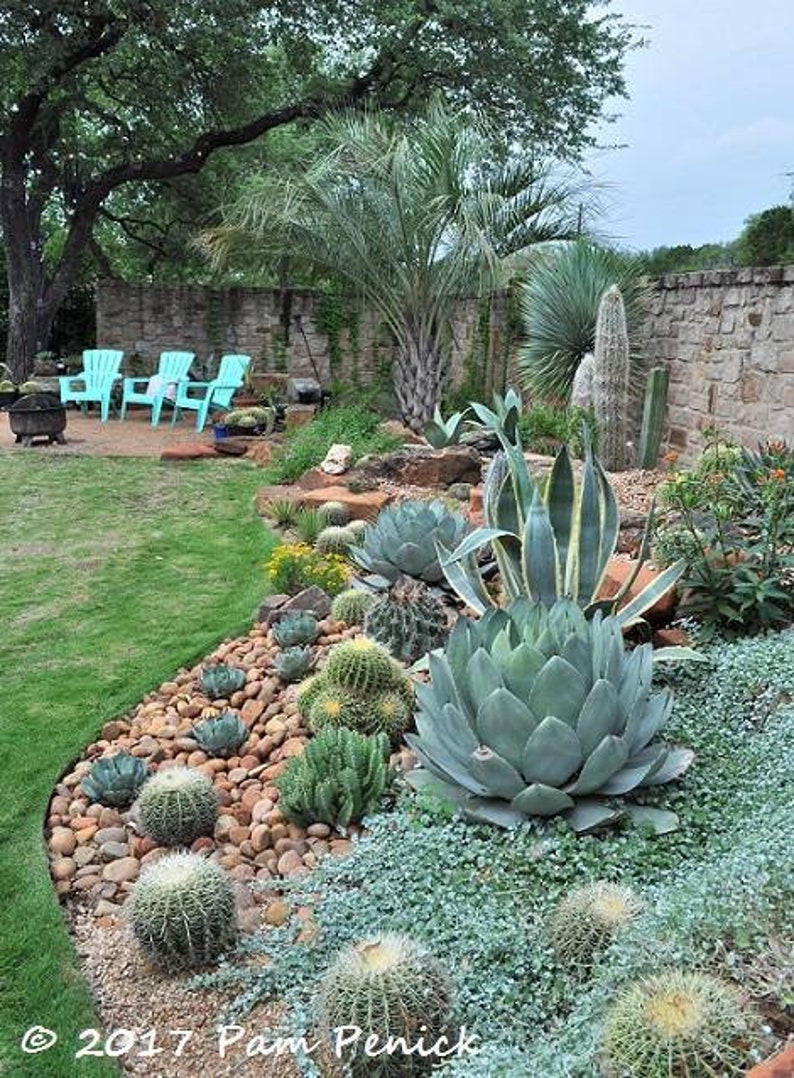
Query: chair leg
[201,415]
[105,409]
[123,412]
[176,415]
[156,407]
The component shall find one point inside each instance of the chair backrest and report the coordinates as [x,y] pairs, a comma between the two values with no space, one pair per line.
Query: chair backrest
[175,365]
[231,373]
[101,364]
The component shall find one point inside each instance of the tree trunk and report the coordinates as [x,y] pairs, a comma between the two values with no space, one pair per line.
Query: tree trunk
[417,381]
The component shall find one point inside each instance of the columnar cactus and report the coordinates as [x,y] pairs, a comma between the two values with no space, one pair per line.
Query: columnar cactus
[582,385]
[183,911]
[390,987]
[338,780]
[586,920]
[410,621]
[677,1023]
[177,806]
[351,605]
[611,379]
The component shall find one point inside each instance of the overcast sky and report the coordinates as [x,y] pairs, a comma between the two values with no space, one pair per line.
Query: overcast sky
[709,124]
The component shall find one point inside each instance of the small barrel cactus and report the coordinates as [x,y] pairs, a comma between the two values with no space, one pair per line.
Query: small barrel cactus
[333,706]
[296,628]
[339,779]
[335,513]
[221,736]
[360,665]
[586,920]
[308,692]
[177,806]
[183,911]
[335,540]
[677,1023]
[358,528]
[409,622]
[220,681]
[292,663]
[115,780]
[351,605]
[390,987]
[391,714]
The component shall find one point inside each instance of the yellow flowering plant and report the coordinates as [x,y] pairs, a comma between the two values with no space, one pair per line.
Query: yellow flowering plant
[294,566]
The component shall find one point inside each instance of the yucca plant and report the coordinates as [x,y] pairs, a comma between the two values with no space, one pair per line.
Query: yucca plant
[551,545]
[442,432]
[535,711]
[283,512]
[309,524]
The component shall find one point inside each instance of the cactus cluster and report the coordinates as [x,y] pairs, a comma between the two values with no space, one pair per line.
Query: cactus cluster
[350,606]
[222,735]
[220,681]
[177,806]
[115,780]
[611,379]
[389,986]
[677,1023]
[585,921]
[295,629]
[360,687]
[338,779]
[409,621]
[335,513]
[335,539]
[182,911]
[292,663]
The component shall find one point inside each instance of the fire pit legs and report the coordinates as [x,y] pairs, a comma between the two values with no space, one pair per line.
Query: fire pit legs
[38,415]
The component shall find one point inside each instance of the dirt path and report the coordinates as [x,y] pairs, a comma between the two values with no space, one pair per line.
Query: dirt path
[135,437]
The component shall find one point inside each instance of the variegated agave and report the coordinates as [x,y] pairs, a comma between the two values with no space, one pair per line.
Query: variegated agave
[539,712]
[548,547]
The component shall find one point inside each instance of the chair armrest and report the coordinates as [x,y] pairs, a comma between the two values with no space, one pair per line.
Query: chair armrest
[137,381]
[189,382]
[65,379]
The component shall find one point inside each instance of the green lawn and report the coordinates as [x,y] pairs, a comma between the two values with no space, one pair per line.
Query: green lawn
[113,573]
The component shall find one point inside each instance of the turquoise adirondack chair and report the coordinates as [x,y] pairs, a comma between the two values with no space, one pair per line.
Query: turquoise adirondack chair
[173,369]
[201,396]
[95,381]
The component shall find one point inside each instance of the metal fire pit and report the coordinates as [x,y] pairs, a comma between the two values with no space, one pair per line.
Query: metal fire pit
[37,415]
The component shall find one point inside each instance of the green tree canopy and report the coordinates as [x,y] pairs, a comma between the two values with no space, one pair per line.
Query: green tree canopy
[98,95]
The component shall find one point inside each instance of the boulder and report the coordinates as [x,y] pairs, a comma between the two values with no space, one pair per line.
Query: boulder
[188,451]
[231,447]
[395,429]
[313,598]
[337,460]
[365,506]
[298,415]
[778,1066]
[425,467]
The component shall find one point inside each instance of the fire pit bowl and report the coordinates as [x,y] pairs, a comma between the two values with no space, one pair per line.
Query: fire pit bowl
[37,415]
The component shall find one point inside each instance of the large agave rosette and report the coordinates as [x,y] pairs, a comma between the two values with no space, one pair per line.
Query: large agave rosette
[402,541]
[536,711]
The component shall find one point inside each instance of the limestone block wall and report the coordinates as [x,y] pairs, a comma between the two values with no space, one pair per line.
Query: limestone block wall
[727,337]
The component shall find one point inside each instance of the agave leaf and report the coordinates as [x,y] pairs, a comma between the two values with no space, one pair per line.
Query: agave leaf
[577,653]
[607,758]
[636,770]
[445,766]
[675,765]
[539,554]
[444,688]
[647,719]
[589,537]
[600,715]
[450,729]
[465,580]
[661,820]
[540,800]
[521,670]
[588,815]
[522,482]
[552,754]
[504,723]
[483,675]
[610,525]
[560,499]
[558,690]
[420,779]
[678,655]
[482,810]
[473,542]
[507,552]
[501,510]
[650,594]
[499,777]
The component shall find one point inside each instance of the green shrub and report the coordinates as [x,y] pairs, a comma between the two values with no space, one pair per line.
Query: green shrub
[340,778]
[309,525]
[177,806]
[545,427]
[306,446]
[183,912]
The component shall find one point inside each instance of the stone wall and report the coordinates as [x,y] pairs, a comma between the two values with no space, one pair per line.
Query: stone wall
[293,330]
[727,337]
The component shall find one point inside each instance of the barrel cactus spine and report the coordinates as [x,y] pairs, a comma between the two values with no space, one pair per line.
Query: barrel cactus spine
[183,911]
[409,622]
[360,665]
[177,806]
[611,379]
[586,920]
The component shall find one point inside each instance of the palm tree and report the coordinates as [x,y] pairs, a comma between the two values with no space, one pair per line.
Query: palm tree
[412,218]
[559,300]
